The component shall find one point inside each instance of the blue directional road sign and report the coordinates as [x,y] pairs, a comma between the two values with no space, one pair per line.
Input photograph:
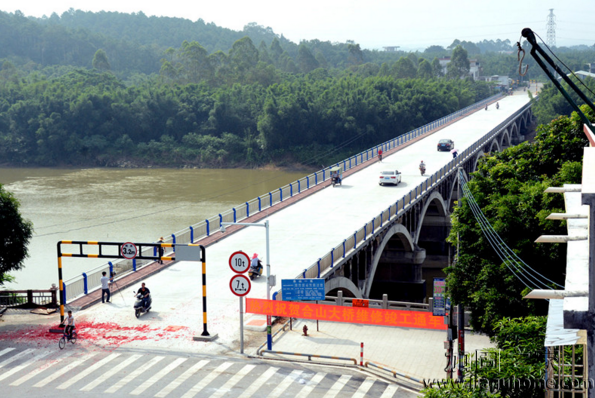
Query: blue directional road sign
[302,289]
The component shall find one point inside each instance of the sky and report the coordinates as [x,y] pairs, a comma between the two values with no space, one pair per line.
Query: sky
[373,24]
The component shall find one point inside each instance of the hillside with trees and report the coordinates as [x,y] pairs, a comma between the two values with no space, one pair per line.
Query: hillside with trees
[114,89]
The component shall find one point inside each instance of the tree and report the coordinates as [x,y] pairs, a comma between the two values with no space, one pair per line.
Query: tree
[356,56]
[514,370]
[306,60]
[436,67]
[509,188]
[458,67]
[322,62]
[243,55]
[100,61]
[15,234]
[263,53]
[413,58]
[404,69]
[276,51]
[424,70]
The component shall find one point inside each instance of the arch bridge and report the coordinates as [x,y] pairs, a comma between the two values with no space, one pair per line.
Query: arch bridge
[397,249]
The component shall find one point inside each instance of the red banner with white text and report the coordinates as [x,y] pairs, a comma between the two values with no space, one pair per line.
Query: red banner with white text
[336,313]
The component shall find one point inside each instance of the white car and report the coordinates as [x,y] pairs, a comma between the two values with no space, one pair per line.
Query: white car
[389,177]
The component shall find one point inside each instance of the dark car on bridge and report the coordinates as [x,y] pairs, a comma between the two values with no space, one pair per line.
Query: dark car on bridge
[446,145]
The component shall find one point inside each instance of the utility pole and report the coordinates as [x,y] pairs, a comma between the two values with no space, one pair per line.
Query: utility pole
[456,327]
[460,308]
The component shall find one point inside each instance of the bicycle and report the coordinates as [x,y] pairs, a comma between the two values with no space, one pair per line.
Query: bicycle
[66,338]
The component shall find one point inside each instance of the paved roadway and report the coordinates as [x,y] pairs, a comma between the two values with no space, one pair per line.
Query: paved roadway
[87,372]
[299,235]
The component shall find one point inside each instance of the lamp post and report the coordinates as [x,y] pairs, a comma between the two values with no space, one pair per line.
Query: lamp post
[268,267]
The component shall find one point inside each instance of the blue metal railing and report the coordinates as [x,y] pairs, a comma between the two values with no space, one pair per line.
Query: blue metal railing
[203,229]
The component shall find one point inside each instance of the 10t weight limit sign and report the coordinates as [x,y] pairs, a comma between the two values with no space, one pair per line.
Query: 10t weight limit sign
[239,262]
[240,285]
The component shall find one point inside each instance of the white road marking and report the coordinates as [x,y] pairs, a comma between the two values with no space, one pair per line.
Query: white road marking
[6,350]
[390,391]
[287,381]
[233,381]
[157,376]
[23,365]
[182,378]
[363,388]
[206,380]
[336,388]
[65,369]
[311,385]
[14,358]
[42,368]
[260,380]
[87,371]
[141,369]
[101,379]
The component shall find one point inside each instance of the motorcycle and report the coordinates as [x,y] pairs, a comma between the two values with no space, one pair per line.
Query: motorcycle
[422,170]
[255,272]
[139,308]
[497,105]
[336,176]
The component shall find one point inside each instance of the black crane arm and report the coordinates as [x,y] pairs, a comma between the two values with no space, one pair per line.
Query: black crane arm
[536,50]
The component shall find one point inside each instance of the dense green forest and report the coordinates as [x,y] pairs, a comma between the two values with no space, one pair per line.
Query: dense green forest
[509,188]
[89,117]
[112,89]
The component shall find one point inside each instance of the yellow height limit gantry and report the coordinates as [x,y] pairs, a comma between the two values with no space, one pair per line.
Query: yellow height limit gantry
[127,250]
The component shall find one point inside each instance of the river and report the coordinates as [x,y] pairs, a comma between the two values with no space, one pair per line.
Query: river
[120,205]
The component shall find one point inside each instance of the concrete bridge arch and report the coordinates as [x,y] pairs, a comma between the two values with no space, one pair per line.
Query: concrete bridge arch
[400,239]
[342,283]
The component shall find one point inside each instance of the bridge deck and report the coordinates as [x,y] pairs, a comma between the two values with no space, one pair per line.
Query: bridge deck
[299,235]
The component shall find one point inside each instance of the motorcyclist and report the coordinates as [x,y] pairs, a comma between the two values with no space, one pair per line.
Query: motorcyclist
[145,294]
[380,154]
[422,167]
[255,263]
[497,105]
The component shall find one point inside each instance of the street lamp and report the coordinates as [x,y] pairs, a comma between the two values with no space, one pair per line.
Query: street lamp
[268,265]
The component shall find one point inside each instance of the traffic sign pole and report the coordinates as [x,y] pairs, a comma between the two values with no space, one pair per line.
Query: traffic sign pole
[240,286]
[241,325]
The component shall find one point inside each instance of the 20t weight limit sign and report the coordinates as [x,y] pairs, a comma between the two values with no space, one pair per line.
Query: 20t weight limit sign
[240,285]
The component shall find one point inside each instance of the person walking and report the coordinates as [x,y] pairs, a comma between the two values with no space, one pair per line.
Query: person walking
[160,261]
[105,281]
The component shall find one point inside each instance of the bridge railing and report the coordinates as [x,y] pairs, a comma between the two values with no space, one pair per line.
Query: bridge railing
[359,237]
[75,287]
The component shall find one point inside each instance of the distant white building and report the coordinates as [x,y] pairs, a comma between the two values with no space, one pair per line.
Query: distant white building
[581,74]
[503,82]
[474,67]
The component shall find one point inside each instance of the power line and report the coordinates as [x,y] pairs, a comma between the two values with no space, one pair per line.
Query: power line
[527,275]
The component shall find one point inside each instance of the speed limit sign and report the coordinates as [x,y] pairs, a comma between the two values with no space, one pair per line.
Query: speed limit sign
[239,262]
[128,250]
[240,285]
